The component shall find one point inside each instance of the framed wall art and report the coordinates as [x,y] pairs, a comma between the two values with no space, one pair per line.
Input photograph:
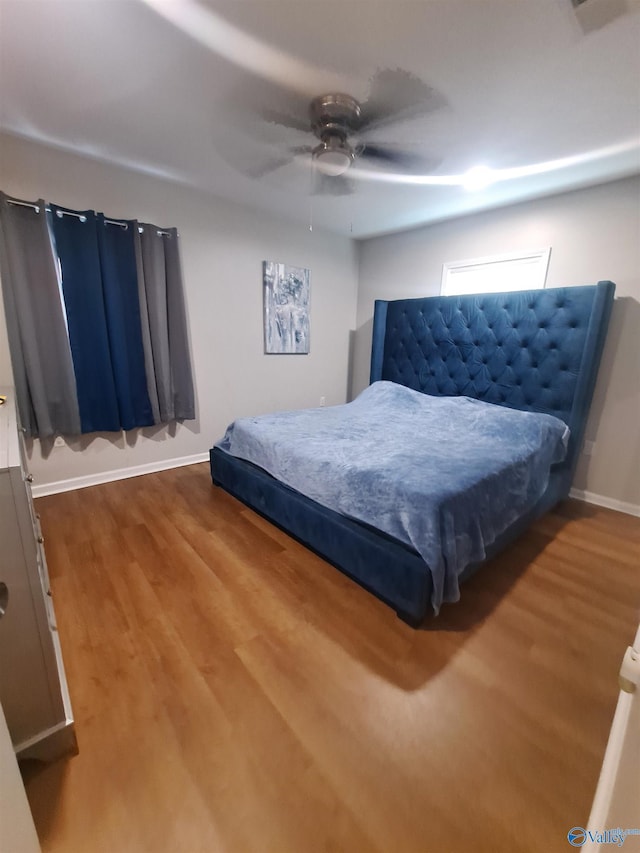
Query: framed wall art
[286,291]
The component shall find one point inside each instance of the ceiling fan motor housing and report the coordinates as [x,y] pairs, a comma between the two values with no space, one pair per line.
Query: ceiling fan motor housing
[333,117]
[334,114]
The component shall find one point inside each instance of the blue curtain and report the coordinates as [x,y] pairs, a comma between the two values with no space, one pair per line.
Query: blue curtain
[76,242]
[122,310]
[100,287]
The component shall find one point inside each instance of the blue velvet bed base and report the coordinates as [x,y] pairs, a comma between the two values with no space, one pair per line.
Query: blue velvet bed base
[532,350]
[389,569]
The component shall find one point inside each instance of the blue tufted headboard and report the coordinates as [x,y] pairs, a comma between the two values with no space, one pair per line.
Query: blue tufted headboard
[536,350]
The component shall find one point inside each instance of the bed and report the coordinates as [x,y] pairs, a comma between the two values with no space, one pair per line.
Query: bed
[521,365]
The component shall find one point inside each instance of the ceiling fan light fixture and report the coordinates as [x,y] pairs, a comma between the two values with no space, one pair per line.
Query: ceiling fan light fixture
[333,156]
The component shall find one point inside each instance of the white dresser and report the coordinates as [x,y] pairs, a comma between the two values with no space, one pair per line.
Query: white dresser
[33,687]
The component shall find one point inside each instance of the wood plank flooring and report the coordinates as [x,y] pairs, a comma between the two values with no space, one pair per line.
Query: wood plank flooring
[233,692]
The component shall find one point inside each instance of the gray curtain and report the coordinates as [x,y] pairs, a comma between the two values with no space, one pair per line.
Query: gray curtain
[40,352]
[166,339]
[149,363]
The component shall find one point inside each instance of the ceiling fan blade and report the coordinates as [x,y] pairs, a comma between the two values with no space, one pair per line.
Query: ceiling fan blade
[286,120]
[259,170]
[401,159]
[266,166]
[297,150]
[335,185]
[397,95]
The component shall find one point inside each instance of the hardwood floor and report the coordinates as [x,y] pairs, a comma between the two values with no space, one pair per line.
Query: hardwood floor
[235,693]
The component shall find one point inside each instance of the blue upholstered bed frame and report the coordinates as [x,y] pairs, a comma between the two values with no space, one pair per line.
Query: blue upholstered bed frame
[533,350]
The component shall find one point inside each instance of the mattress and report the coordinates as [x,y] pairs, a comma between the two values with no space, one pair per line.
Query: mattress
[444,475]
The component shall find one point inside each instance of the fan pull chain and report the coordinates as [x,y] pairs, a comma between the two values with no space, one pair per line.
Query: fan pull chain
[311,183]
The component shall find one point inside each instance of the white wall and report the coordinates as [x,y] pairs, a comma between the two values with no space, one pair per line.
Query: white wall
[594,234]
[223,246]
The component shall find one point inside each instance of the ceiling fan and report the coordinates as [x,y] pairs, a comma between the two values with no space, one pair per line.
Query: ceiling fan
[351,134]
[335,119]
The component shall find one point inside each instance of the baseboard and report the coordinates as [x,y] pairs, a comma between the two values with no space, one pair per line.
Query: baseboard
[609,503]
[118,474]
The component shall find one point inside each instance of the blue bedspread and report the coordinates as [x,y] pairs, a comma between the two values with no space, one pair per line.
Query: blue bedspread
[445,475]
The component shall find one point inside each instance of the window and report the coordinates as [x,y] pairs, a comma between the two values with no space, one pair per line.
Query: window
[96,320]
[517,271]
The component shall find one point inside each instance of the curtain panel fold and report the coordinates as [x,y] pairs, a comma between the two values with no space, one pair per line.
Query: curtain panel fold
[167,322]
[40,350]
[122,309]
[76,243]
[112,332]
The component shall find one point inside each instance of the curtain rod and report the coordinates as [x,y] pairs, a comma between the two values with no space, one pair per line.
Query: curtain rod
[125,225]
[82,217]
[36,207]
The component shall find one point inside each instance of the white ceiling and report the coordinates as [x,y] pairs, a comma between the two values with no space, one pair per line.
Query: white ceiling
[517,82]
